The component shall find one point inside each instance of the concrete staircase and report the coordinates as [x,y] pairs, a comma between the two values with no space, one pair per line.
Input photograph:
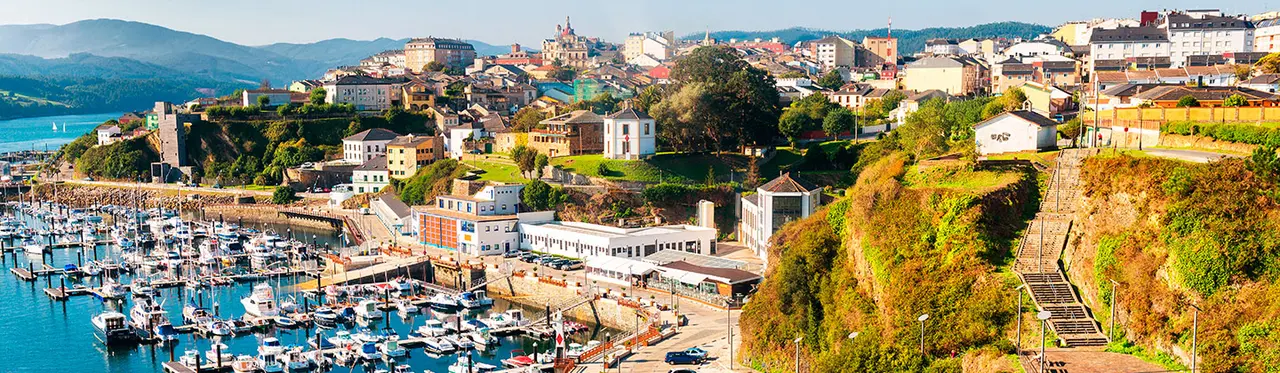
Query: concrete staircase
[1041,247]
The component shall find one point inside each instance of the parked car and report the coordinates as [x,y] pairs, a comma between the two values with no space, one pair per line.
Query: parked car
[511,254]
[554,263]
[571,265]
[682,370]
[88,178]
[681,357]
[528,257]
[695,351]
[543,260]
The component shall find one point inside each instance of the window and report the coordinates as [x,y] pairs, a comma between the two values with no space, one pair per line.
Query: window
[646,128]
[626,129]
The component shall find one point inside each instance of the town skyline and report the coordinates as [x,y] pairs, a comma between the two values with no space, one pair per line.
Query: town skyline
[528,27]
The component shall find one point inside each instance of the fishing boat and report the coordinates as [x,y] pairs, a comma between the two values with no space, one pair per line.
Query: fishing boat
[465,365]
[432,328]
[477,299]
[295,361]
[219,328]
[406,308]
[110,290]
[437,346]
[112,328]
[261,303]
[268,363]
[146,314]
[391,349]
[369,351]
[326,317]
[219,352]
[508,318]
[190,358]
[442,301]
[244,364]
[368,310]
[285,322]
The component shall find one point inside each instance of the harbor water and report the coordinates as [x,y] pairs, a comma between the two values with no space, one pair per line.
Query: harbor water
[38,334]
[38,134]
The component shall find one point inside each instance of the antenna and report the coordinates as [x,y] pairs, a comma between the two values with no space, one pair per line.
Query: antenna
[889,31]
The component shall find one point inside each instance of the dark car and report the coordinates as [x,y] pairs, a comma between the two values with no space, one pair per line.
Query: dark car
[554,263]
[681,357]
[569,265]
[528,257]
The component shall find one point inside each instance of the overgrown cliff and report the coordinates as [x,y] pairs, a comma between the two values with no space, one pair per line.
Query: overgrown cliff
[903,242]
[1173,235]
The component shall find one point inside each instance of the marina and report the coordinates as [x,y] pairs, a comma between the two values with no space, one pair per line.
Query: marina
[148,290]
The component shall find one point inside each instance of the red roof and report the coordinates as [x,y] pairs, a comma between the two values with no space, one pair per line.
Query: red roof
[660,72]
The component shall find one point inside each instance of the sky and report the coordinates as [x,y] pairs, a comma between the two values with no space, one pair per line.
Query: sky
[499,22]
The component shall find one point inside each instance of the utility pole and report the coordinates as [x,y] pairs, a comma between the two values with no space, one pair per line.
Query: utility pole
[1114,294]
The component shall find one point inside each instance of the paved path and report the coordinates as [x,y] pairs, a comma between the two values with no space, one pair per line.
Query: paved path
[1084,361]
[1189,155]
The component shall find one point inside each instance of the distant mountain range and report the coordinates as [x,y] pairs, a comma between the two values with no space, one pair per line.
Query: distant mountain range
[123,50]
[909,41]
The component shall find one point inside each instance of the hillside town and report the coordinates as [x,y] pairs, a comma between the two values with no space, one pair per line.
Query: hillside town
[685,180]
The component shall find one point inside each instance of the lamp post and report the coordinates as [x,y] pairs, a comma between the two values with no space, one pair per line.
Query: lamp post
[1114,286]
[1017,349]
[921,319]
[1195,326]
[1043,316]
[797,341]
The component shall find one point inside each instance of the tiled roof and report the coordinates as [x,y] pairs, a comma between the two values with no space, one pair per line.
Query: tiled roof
[1128,34]
[1033,117]
[395,204]
[575,117]
[788,184]
[1171,73]
[629,113]
[1178,20]
[1263,79]
[1176,92]
[372,134]
[409,140]
[378,163]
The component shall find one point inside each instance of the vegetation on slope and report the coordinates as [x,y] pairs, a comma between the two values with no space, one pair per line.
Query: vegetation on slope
[1173,234]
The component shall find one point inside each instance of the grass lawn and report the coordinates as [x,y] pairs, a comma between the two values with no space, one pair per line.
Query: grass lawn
[957,178]
[496,168]
[662,167]
[784,157]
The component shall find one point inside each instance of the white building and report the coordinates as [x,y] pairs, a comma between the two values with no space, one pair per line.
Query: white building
[835,51]
[364,146]
[366,93]
[659,45]
[1128,42]
[1036,48]
[629,134]
[774,204]
[481,224]
[584,240]
[393,213]
[108,134]
[1015,131]
[457,137]
[275,97]
[943,47]
[371,176]
[1266,36]
[644,60]
[1205,33]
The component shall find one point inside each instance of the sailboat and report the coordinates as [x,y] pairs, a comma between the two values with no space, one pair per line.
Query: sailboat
[55,126]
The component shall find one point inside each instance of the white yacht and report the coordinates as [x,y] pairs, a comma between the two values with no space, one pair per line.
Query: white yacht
[262,302]
[368,310]
[112,328]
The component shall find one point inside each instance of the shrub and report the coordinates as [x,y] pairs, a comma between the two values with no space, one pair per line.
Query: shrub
[283,195]
[1188,101]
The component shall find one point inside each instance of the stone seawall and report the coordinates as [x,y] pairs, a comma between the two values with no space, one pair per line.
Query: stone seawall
[530,291]
[260,214]
[86,196]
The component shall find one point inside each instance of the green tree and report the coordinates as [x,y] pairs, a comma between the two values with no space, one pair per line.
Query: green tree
[1235,100]
[837,121]
[831,80]
[1188,101]
[711,176]
[318,96]
[528,118]
[1013,99]
[283,195]
[540,163]
[892,99]
[1265,163]
[740,106]
[540,196]
[648,97]
[433,66]
[815,158]
[793,124]
[792,74]
[1269,64]
[526,159]
[264,101]
[1070,129]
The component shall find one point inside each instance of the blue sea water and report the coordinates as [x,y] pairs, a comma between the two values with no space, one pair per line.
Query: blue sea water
[38,334]
[37,133]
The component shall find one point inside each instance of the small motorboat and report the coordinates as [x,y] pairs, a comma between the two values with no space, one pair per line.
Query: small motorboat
[244,364]
[219,350]
[465,365]
[285,322]
[369,351]
[437,346]
[460,343]
[219,328]
[326,317]
[391,349]
[477,299]
[519,361]
[442,301]
[432,328]
[165,332]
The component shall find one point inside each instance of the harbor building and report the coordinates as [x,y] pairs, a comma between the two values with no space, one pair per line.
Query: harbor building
[484,223]
[585,240]
[774,204]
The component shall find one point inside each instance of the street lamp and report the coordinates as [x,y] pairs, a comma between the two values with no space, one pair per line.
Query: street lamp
[921,319]
[1195,326]
[1114,287]
[1017,349]
[797,341]
[1043,316]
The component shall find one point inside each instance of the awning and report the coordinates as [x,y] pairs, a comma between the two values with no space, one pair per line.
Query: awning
[691,278]
[621,265]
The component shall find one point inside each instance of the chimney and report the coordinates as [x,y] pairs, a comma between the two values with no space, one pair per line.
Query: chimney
[515,48]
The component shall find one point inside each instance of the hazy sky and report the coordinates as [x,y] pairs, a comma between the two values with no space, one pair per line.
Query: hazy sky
[256,22]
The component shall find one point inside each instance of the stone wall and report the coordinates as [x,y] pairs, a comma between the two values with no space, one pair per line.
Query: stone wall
[1201,142]
[531,291]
